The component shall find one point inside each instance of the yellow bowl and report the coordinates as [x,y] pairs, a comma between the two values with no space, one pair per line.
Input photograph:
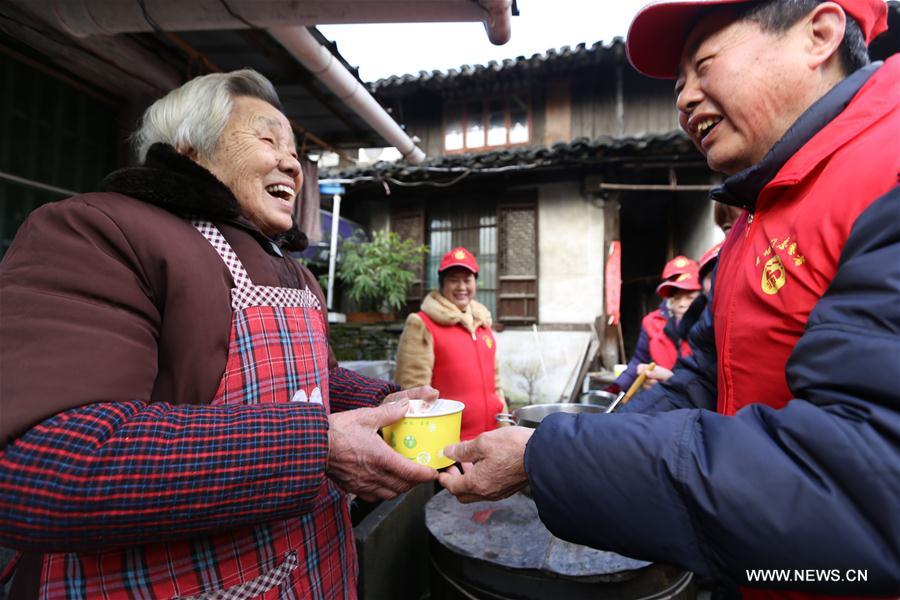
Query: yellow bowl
[422,435]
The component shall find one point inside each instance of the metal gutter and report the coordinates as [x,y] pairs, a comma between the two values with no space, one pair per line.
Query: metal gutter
[322,63]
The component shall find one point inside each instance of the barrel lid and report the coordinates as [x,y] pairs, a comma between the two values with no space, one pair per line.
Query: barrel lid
[510,533]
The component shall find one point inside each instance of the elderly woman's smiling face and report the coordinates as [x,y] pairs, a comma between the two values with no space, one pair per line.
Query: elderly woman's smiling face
[256,159]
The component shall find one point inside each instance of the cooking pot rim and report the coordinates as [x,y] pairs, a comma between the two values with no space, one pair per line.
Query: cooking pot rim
[523,415]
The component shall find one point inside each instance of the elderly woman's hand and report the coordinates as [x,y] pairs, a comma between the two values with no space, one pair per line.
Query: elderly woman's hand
[493,465]
[423,392]
[361,463]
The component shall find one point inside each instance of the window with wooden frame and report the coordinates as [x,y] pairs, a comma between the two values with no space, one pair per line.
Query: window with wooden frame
[471,223]
[489,123]
[409,224]
[504,239]
[517,281]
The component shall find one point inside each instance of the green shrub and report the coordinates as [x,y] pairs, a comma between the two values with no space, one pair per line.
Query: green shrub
[378,273]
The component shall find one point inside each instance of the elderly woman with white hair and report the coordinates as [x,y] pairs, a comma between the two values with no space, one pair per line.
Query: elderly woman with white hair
[173,422]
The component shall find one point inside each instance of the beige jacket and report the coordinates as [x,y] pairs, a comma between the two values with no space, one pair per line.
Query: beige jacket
[415,352]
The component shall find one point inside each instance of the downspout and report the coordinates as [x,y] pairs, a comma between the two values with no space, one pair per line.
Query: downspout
[332,252]
[321,63]
[497,22]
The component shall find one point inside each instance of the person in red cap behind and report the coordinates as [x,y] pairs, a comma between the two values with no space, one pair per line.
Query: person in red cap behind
[658,340]
[677,266]
[449,345]
[687,316]
[706,266]
[770,461]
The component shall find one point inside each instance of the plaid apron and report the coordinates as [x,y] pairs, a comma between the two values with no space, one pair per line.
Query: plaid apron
[278,353]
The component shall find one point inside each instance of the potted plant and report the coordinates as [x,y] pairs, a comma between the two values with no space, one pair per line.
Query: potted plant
[378,273]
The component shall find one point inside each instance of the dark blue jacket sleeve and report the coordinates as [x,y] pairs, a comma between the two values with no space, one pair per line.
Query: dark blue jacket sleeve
[693,384]
[641,355]
[815,485]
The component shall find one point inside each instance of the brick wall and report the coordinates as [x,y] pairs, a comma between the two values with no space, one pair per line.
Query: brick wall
[357,341]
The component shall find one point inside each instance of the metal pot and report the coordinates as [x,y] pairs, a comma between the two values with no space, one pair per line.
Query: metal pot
[531,416]
[598,397]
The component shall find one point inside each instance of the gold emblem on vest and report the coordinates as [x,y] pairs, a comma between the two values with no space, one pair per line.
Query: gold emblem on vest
[773,276]
[488,342]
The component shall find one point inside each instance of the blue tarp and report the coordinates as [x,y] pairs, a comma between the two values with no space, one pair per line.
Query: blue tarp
[346,229]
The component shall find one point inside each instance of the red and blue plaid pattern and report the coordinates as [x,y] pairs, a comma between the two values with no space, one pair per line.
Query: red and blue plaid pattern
[118,473]
[72,466]
[351,390]
[277,354]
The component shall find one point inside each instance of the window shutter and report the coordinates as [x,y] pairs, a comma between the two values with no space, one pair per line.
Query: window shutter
[517,298]
[410,225]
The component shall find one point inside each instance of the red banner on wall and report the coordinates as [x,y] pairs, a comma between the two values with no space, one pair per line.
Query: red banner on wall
[612,281]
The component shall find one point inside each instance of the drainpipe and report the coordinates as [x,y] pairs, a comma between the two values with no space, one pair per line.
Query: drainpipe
[332,253]
[90,17]
[321,63]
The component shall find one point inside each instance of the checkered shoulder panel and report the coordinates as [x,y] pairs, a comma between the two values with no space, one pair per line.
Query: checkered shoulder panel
[262,295]
[224,249]
[245,294]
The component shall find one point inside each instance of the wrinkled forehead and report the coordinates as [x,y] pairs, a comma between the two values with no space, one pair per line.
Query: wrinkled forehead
[279,126]
[262,117]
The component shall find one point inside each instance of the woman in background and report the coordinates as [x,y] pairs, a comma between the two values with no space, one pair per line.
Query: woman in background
[449,345]
[655,323]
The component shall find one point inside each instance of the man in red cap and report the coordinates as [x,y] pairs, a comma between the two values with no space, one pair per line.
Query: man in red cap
[781,473]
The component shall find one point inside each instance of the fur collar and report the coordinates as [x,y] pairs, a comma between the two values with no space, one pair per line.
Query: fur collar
[443,312]
[176,183]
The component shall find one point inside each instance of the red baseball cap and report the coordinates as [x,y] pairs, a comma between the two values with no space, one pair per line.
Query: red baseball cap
[458,257]
[658,32]
[677,266]
[688,281]
[707,261]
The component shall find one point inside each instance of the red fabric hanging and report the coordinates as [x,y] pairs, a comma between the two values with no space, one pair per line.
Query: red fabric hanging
[613,282]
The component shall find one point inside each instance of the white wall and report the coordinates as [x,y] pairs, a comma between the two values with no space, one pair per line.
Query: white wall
[700,230]
[551,355]
[572,257]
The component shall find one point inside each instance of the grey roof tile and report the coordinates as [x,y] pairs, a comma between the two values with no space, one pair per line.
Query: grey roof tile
[565,57]
[579,151]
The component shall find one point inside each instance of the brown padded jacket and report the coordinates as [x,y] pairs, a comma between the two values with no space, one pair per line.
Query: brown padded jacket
[136,301]
[415,351]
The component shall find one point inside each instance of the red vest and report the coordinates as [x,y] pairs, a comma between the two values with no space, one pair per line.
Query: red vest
[776,265]
[464,371]
[662,349]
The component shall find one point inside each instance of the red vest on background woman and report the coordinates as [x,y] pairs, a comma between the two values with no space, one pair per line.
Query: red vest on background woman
[663,350]
[666,347]
[464,370]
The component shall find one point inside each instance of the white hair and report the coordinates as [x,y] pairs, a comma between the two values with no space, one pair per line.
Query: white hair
[194,115]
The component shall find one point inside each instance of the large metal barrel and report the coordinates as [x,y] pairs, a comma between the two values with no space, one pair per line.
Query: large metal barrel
[501,550]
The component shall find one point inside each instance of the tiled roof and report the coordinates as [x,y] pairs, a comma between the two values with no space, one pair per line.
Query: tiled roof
[581,151]
[553,59]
